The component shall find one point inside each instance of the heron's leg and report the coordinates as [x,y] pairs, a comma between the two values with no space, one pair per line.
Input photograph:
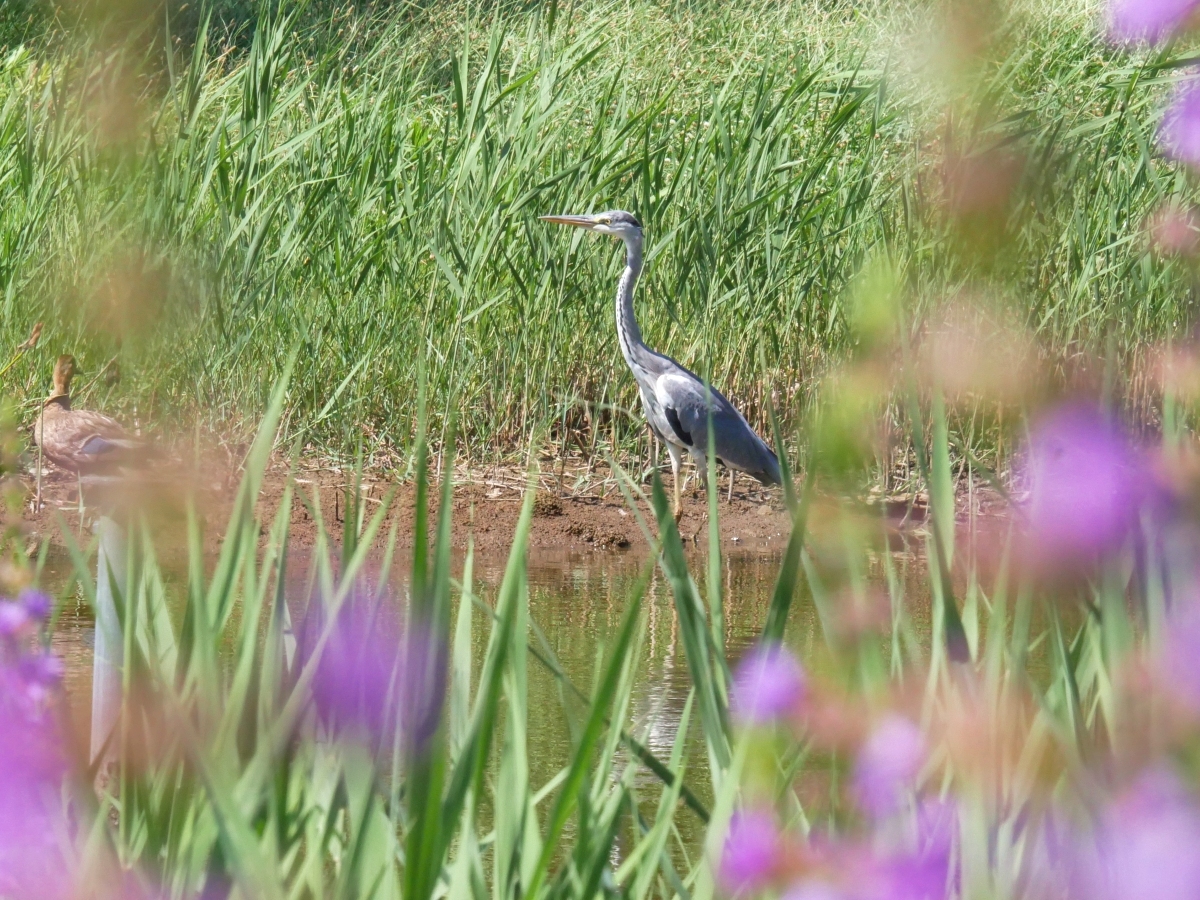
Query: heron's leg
[732,471]
[676,459]
[701,462]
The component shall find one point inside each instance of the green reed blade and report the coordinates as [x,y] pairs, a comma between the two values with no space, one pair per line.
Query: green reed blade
[697,639]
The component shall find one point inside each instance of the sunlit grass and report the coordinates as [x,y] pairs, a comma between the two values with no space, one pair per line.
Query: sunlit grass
[375,201]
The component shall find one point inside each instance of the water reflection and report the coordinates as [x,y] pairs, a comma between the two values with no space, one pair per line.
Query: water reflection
[578,603]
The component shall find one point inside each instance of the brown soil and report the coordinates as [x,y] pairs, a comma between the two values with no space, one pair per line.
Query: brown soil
[576,509]
[595,516]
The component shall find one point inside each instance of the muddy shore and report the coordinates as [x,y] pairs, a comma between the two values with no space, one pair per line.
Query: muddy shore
[593,517]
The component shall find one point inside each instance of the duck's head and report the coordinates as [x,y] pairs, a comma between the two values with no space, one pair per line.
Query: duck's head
[64,371]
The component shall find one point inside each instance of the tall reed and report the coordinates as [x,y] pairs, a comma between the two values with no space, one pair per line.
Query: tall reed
[375,200]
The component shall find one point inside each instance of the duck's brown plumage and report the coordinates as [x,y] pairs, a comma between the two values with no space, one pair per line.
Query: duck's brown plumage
[80,440]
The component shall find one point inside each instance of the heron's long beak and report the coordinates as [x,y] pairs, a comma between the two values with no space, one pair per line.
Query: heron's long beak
[577,221]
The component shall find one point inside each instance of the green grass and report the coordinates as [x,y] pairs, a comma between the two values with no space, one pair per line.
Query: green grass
[20,21]
[367,191]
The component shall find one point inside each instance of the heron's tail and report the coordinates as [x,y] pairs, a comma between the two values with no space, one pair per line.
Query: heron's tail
[770,473]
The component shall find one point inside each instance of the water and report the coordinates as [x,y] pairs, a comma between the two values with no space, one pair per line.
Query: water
[577,602]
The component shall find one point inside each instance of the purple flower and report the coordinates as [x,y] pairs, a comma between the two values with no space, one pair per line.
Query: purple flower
[751,852]
[422,685]
[1180,128]
[936,826]
[769,684]
[1147,20]
[936,829]
[888,763]
[813,889]
[1085,487]
[1145,847]
[924,871]
[1178,663]
[32,768]
[1051,841]
[43,670]
[909,876]
[13,618]
[374,681]
[37,603]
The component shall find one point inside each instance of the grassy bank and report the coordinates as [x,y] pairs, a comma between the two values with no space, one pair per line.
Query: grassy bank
[368,191]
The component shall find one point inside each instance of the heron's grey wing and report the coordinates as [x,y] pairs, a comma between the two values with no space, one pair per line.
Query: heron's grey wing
[686,404]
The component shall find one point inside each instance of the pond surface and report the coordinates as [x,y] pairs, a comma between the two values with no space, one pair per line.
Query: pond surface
[577,602]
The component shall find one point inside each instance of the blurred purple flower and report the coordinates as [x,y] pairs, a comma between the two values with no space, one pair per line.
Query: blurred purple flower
[13,618]
[936,827]
[1148,20]
[814,889]
[909,876]
[354,673]
[751,852]
[29,739]
[1086,485]
[934,873]
[916,865]
[1178,664]
[769,684]
[1051,841]
[888,764]
[32,767]
[373,680]
[924,870]
[37,603]
[1146,846]
[422,685]
[42,672]
[1180,128]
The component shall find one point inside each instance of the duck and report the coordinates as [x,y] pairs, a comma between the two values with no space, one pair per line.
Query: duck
[81,441]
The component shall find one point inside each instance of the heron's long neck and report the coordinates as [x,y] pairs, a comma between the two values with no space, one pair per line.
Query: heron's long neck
[633,348]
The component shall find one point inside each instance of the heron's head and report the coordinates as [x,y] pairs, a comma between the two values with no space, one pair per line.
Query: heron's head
[617,222]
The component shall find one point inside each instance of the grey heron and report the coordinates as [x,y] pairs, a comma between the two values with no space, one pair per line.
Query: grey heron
[677,403]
